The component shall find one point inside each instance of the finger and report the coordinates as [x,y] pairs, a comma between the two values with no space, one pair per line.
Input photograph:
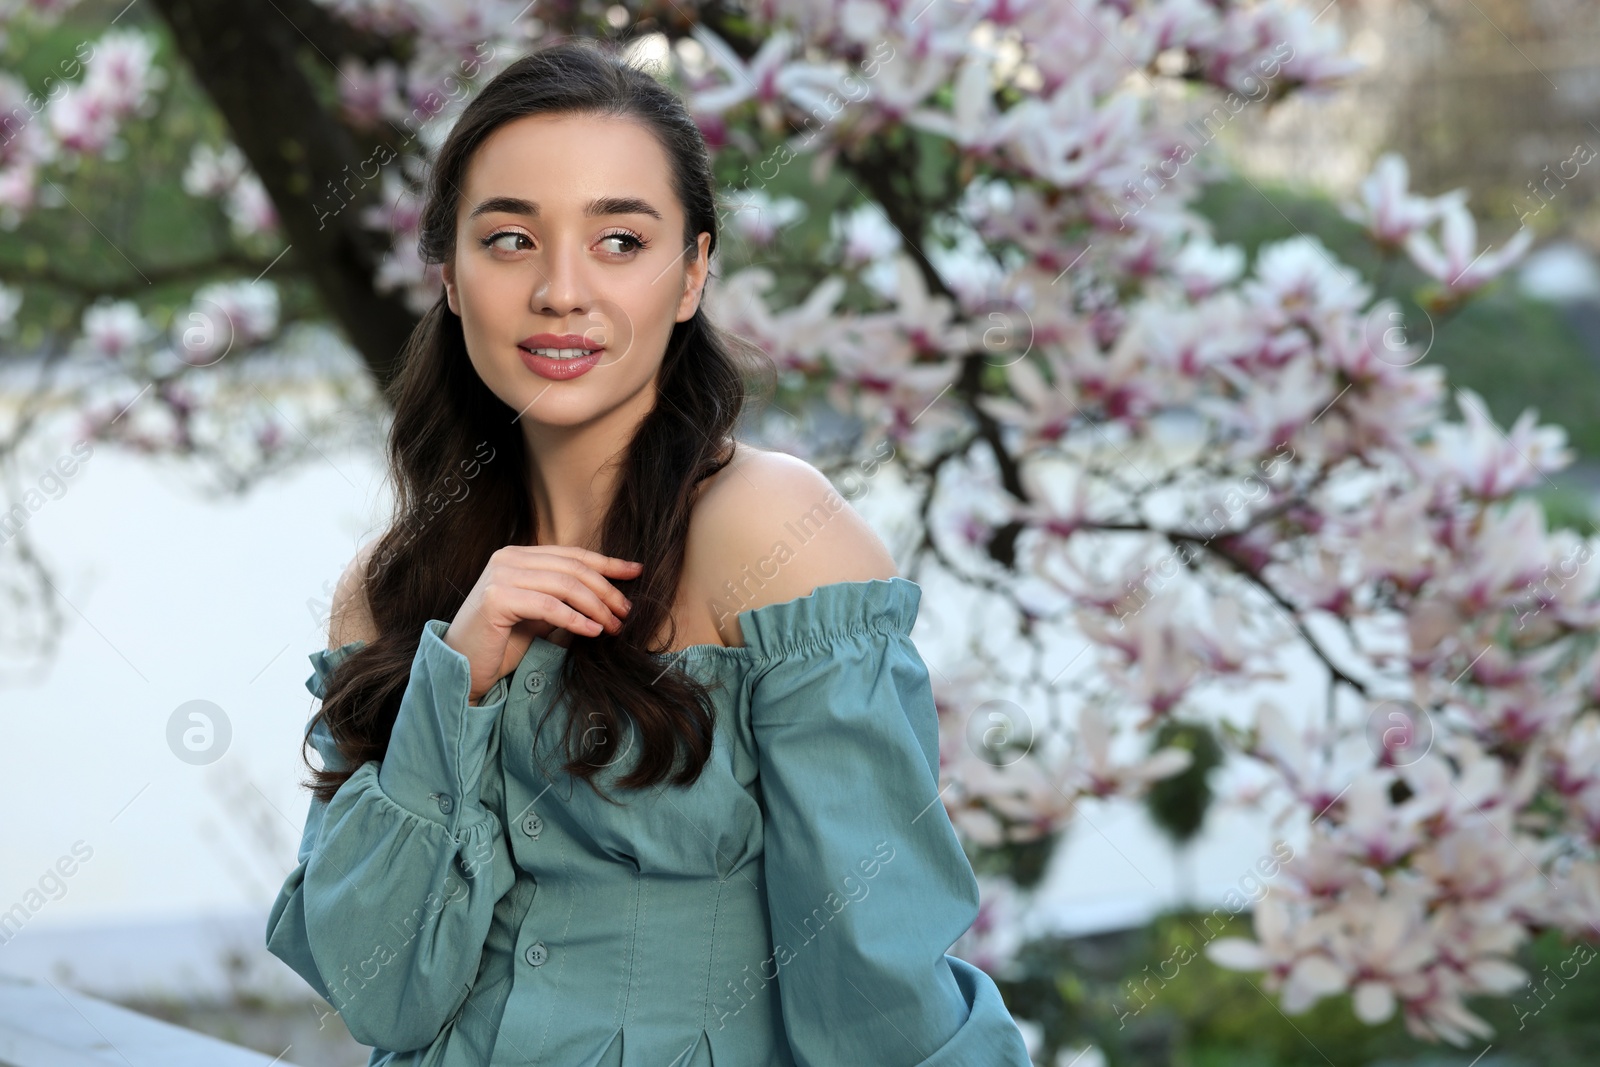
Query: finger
[571,561]
[614,566]
[577,590]
[554,609]
[521,605]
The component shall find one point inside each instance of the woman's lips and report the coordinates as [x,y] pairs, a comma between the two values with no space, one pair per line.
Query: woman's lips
[559,370]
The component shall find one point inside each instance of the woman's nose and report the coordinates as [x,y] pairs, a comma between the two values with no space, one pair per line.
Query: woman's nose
[562,284]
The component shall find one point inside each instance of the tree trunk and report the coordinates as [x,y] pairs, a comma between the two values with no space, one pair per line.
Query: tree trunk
[249,57]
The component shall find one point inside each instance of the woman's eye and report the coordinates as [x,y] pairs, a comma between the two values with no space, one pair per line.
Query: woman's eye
[630,243]
[506,241]
[492,241]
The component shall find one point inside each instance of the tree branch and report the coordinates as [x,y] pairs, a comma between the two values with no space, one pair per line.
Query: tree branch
[241,49]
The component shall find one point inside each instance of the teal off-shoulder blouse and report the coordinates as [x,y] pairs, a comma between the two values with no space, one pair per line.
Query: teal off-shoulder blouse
[791,907]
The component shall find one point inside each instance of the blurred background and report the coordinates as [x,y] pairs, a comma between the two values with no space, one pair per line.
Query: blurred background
[191,429]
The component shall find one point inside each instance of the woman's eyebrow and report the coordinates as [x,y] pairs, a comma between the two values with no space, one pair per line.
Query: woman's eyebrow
[600,205]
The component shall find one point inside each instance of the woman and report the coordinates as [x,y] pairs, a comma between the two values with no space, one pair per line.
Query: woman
[730,848]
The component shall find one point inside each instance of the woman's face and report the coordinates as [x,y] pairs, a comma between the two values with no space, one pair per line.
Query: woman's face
[568,227]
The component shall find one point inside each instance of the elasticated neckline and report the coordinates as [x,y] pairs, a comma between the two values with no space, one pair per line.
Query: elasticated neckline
[828,611]
[772,631]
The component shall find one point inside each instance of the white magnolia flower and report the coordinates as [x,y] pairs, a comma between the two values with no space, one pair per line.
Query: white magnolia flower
[1288,950]
[1092,770]
[1045,409]
[370,94]
[1205,266]
[759,216]
[1386,207]
[1488,462]
[115,328]
[974,123]
[224,315]
[1298,281]
[213,171]
[1455,261]
[118,79]
[764,78]
[250,210]
[865,235]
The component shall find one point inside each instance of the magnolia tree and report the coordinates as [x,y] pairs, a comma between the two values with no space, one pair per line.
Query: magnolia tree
[1202,475]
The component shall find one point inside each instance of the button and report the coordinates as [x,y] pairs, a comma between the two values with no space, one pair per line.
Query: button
[532,824]
[536,954]
[445,803]
[534,681]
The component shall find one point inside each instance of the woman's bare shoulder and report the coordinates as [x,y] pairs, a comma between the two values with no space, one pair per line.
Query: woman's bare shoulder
[772,527]
[350,617]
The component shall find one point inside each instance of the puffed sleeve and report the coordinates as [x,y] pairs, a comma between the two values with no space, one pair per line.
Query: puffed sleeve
[867,884]
[388,909]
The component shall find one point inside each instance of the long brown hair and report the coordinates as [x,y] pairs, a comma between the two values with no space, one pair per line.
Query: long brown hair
[458,464]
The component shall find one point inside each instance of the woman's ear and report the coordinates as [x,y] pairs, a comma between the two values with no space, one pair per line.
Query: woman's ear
[449,272]
[694,281]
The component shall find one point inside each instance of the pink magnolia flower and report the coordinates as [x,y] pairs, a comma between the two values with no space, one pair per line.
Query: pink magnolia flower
[1454,261]
[120,72]
[740,305]
[1015,802]
[1301,763]
[1371,827]
[1314,60]
[115,328]
[1071,140]
[1473,944]
[250,210]
[763,79]
[118,79]
[865,235]
[1203,266]
[1480,864]
[222,316]
[1298,281]
[1288,949]
[213,171]
[1397,544]
[1045,409]
[25,143]
[1163,657]
[1092,770]
[1388,210]
[370,94]
[82,121]
[1488,462]
[1382,946]
[759,217]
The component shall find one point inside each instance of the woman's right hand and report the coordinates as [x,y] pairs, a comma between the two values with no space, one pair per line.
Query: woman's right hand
[525,592]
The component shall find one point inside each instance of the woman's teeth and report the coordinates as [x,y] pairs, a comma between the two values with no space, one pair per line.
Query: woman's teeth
[560,353]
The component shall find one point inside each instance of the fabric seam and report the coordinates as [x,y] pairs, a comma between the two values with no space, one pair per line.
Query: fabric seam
[711,966]
[821,639]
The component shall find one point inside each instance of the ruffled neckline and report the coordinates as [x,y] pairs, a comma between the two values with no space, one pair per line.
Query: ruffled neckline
[770,631]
